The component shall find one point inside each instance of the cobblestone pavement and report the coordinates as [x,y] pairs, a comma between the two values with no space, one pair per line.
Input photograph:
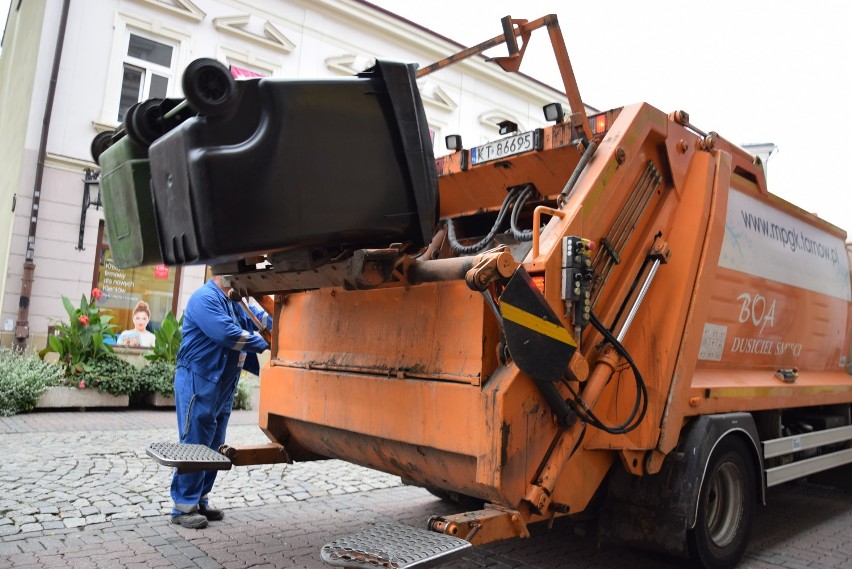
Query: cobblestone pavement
[65,477]
[76,490]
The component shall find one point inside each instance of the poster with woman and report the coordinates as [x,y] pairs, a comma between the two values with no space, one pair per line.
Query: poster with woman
[138,336]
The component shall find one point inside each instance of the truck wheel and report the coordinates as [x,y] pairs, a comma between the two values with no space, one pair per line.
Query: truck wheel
[726,507]
[209,87]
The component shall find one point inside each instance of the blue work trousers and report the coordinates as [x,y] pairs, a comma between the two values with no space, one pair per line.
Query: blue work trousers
[203,409]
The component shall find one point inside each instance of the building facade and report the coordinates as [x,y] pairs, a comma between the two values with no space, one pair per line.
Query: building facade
[70,69]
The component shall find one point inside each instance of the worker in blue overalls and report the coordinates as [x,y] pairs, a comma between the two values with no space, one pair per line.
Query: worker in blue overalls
[219,340]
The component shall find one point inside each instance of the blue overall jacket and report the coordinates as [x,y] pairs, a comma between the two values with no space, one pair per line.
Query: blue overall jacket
[211,332]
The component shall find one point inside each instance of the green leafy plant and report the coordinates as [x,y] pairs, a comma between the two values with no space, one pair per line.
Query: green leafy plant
[158,377]
[168,337]
[112,375]
[81,342]
[23,378]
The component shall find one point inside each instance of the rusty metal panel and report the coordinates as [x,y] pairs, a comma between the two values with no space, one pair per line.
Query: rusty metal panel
[440,331]
[434,432]
[431,414]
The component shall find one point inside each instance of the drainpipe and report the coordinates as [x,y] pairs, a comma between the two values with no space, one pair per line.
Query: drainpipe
[22,329]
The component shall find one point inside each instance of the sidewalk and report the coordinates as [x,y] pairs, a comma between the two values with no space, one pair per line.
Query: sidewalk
[102,420]
[69,469]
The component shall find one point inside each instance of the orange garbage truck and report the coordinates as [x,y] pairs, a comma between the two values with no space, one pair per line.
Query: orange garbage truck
[609,314]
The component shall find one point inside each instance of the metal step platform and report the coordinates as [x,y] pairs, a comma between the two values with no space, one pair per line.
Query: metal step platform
[188,457]
[393,546]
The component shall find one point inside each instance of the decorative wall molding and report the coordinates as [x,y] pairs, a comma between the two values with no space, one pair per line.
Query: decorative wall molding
[272,36]
[433,95]
[161,28]
[248,58]
[105,126]
[349,64]
[491,119]
[423,40]
[180,7]
[68,164]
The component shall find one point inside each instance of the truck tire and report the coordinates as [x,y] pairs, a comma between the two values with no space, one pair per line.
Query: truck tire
[726,507]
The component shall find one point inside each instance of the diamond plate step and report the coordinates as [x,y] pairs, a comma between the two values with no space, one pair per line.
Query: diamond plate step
[393,546]
[188,457]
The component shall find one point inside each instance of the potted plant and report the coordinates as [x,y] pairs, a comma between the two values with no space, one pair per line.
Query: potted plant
[94,376]
[23,378]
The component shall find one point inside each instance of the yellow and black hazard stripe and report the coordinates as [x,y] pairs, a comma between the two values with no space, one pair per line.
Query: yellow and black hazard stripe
[536,324]
[538,342]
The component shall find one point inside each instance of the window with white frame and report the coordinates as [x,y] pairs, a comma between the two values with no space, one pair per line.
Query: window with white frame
[148,70]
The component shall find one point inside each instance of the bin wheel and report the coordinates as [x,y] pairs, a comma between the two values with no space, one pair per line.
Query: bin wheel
[100,143]
[209,87]
[143,122]
[726,507]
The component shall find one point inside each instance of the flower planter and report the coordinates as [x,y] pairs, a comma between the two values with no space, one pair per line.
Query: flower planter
[73,397]
[159,400]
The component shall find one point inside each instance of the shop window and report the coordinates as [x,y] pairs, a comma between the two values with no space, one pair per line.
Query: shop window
[147,71]
[122,289]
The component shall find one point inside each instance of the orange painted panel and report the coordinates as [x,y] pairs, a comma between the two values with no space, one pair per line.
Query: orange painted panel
[759,323]
[479,440]
[432,330]
[728,390]
[435,414]
[781,294]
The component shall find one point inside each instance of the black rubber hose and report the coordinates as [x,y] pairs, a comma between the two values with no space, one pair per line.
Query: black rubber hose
[640,406]
[526,234]
[460,249]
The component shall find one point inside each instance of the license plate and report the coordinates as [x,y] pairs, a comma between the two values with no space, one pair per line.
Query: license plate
[509,146]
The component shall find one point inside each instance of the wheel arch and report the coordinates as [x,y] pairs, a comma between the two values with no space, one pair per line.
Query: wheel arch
[701,439]
[656,511]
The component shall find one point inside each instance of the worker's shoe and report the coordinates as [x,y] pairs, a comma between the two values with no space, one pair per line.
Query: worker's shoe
[212,514]
[192,520]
